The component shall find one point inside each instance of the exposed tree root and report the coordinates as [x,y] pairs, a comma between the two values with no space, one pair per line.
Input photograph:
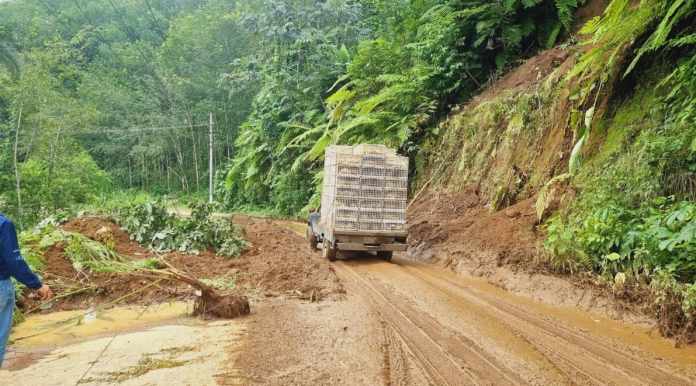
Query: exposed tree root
[210,303]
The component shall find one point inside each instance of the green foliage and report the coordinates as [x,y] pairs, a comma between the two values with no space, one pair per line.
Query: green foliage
[681,99]
[635,213]
[77,180]
[111,202]
[132,85]
[303,53]
[147,223]
[614,239]
[151,224]
[628,218]
[566,11]
[83,252]
[621,27]
[419,59]
[672,14]
[8,57]
[613,34]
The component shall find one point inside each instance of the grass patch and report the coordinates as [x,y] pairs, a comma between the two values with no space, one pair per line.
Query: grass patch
[144,366]
[147,363]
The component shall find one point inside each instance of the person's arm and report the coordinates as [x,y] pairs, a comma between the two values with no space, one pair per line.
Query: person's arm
[11,255]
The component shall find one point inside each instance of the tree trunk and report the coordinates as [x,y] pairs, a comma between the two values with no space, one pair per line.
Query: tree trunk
[180,159]
[52,166]
[130,173]
[16,167]
[169,175]
[195,154]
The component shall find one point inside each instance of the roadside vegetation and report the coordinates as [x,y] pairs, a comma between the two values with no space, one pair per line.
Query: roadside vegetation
[599,133]
[634,220]
[151,224]
[101,96]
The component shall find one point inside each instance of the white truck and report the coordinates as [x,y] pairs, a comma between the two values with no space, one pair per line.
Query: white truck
[363,202]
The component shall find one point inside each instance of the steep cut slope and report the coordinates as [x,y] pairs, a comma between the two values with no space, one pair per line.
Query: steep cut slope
[583,157]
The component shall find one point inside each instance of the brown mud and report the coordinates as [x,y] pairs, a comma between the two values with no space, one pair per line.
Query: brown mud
[406,323]
[463,330]
[458,231]
[528,74]
[275,264]
[450,227]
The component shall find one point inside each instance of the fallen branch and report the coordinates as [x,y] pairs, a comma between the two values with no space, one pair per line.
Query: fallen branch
[62,296]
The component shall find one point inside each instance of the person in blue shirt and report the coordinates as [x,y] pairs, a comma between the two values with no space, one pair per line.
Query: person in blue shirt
[12,265]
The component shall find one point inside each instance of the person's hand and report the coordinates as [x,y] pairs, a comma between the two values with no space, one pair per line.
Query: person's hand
[45,292]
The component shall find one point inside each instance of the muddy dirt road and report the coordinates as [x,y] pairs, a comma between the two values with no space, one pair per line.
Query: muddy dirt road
[463,331]
[407,323]
[358,321]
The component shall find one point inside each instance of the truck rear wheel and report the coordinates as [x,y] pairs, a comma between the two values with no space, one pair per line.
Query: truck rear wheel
[312,238]
[328,251]
[385,255]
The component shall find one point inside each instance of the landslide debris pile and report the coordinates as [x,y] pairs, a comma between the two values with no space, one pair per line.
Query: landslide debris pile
[91,261]
[457,227]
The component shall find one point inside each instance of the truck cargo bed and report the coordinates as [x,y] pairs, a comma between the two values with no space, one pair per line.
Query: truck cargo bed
[365,190]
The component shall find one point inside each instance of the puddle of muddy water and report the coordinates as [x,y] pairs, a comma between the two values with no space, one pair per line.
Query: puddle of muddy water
[59,328]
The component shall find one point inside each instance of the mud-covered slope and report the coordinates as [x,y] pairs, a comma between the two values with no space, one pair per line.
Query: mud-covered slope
[512,138]
[583,157]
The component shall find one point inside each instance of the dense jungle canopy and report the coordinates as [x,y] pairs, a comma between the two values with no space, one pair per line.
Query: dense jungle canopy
[102,95]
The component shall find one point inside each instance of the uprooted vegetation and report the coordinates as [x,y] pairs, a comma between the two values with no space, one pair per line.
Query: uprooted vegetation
[91,258]
[80,268]
[151,224]
[90,261]
[589,150]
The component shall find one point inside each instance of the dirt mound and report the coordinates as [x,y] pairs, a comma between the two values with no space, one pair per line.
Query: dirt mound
[458,227]
[106,231]
[528,74]
[277,263]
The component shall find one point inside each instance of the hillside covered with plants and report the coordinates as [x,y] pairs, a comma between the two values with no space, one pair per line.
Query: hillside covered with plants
[118,94]
[586,108]
[602,138]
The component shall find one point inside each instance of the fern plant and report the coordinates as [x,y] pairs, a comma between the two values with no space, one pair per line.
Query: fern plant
[662,36]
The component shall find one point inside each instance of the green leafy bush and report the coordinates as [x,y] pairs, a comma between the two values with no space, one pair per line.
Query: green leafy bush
[611,239]
[148,223]
[151,224]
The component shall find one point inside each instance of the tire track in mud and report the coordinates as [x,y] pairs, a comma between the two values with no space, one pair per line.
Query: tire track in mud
[572,356]
[397,361]
[447,357]
[578,355]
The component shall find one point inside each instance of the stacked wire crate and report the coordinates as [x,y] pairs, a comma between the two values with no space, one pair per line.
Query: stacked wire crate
[365,189]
